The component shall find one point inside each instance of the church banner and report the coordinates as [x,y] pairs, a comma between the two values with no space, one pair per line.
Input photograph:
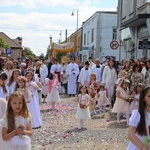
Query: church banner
[63,48]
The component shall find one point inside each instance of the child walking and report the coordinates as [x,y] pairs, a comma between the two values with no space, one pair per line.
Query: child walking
[4,92]
[53,94]
[16,125]
[136,94]
[33,106]
[121,104]
[92,91]
[21,86]
[139,123]
[83,102]
[102,100]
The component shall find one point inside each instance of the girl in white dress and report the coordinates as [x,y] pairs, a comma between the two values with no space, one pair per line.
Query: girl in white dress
[53,94]
[4,92]
[102,100]
[83,102]
[8,69]
[21,86]
[34,106]
[121,104]
[139,123]
[136,94]
[12,81]
[16,125]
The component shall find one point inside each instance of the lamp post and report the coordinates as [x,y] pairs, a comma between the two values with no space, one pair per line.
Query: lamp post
[72,14]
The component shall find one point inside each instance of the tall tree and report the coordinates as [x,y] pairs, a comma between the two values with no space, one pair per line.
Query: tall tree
[3,43]
[28,53]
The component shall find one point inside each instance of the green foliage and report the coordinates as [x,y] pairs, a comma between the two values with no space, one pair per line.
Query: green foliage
[41,56]
[29,53]
[3,43]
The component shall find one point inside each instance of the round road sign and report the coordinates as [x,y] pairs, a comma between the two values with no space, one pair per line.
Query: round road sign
[114,45]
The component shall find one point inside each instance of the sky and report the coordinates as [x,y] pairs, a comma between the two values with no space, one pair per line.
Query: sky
[36,20]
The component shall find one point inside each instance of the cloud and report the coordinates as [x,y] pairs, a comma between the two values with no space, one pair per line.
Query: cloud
[35,28]
[37,3]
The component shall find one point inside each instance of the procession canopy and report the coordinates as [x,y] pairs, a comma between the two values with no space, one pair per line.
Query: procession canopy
[63,48]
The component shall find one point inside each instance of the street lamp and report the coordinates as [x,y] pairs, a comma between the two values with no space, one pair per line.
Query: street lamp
[72,14]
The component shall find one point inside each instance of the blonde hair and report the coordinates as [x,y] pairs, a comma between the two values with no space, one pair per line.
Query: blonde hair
[38,63]
[9,63]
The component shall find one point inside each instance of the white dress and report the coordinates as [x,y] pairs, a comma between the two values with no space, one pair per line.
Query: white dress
[83,113]
[133,121]
[17,142]
[34,107]
[120,105]
[3,107]
[3,94]
[134,104]
[53,96]
[12,87]
[102,100]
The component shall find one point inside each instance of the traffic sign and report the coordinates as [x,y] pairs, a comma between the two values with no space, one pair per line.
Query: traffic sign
[8,51]
[114,45]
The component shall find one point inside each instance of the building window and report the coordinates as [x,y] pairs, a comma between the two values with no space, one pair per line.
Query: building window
[131,6]
[92,35]
[88,36]
[114,34]
[85,39]
[141,2]
[124,8]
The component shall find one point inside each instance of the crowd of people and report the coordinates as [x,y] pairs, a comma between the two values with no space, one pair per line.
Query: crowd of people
[123,88]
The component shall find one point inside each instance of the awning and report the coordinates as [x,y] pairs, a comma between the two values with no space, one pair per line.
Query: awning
[63,48]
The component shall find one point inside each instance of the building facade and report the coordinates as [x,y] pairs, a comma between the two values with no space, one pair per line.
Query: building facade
[97,33]
[134,28]
[15,45]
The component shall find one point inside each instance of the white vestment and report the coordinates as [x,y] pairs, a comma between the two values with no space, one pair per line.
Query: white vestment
[84,76]
[73,71]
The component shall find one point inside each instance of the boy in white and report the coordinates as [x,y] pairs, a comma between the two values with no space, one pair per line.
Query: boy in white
[84,75]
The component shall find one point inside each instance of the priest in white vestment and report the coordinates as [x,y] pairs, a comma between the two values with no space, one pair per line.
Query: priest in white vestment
[72,71]
[84,75]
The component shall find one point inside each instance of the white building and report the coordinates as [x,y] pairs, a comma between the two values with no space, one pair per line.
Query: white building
[97,33]
[134,28]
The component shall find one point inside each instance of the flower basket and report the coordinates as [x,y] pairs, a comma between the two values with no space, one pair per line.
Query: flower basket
[129,99]
[82,104]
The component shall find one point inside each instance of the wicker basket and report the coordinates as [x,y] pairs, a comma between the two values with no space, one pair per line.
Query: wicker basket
[82,106]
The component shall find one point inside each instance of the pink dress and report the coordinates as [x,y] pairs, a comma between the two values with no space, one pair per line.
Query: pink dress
[102,100]
[120,105]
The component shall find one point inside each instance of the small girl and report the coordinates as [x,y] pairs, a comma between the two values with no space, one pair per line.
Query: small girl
[33,106]
[12,81]
[16,125]
[8,69]
[4,92]
[21,86]
[135,103]
[102,100]
[92,91]
[53,94]
[121,104]
[139,123]
[83,101]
